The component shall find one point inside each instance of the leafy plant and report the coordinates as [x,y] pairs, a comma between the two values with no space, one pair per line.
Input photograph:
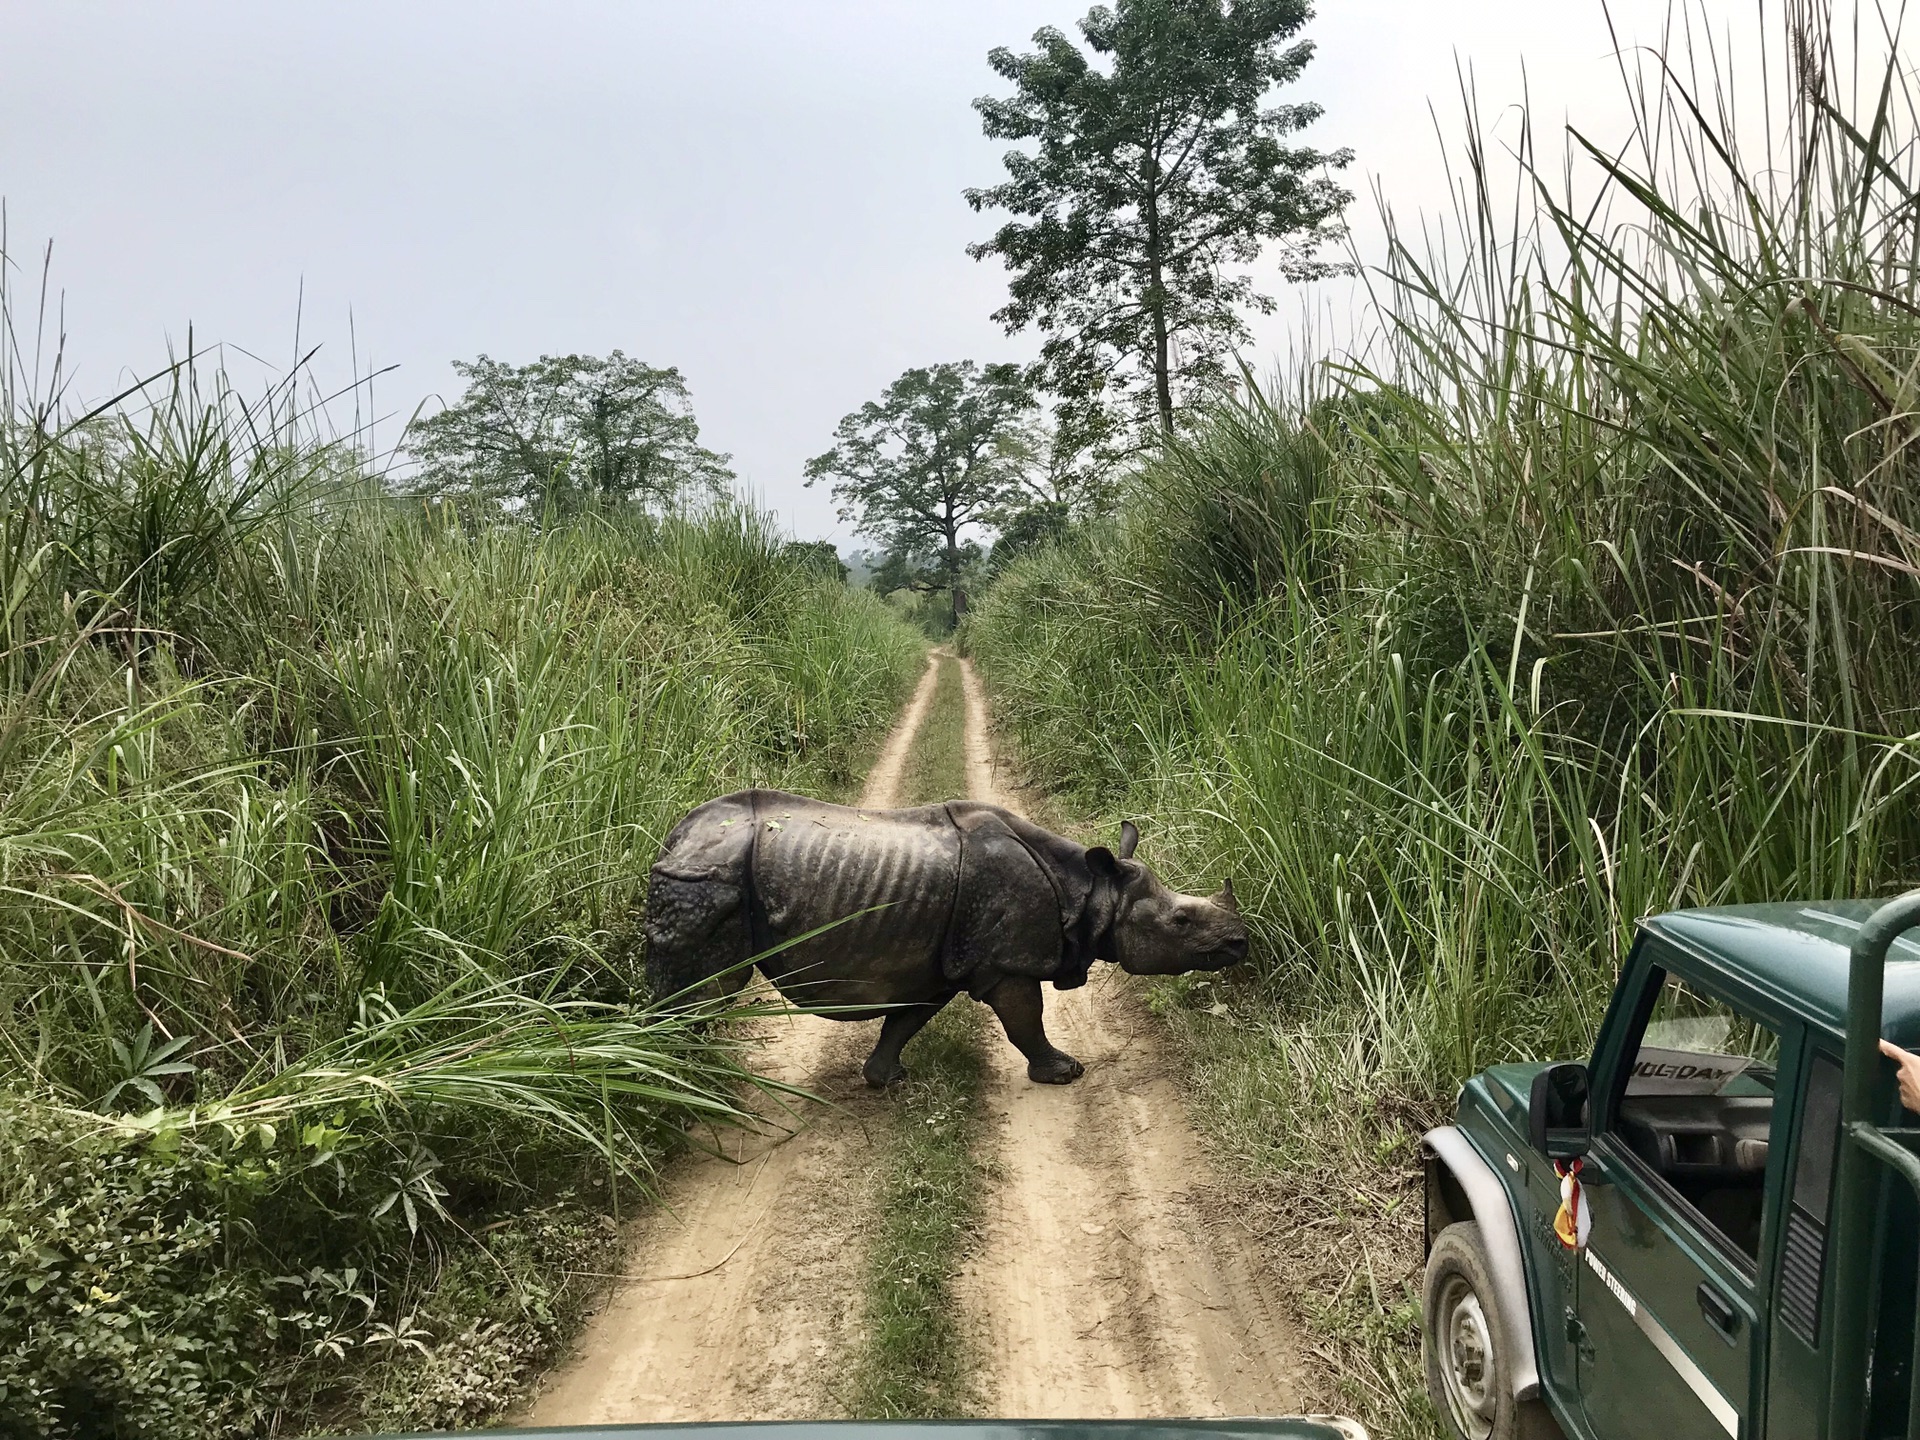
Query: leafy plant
[142,1064]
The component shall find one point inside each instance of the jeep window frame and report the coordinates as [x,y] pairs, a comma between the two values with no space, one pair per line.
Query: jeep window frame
[1652,963]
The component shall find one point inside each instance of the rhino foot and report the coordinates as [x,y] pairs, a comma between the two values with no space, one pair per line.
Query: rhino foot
[1057,1069]
[879,1079]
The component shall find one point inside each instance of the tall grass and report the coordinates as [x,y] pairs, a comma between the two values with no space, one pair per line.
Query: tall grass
[327,819]
[1591,589]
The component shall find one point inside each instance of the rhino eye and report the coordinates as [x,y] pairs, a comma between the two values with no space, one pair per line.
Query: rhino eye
[1182,919]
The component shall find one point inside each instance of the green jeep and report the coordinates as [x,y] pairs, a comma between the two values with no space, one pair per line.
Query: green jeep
[1749,1264]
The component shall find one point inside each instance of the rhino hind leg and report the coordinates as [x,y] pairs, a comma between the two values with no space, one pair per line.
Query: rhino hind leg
[883,1067]
[696,932]
[1017,1001]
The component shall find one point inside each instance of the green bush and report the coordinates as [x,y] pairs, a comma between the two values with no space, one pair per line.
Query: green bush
[118,1316]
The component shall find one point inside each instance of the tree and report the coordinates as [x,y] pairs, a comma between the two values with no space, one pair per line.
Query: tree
[1149,178]
[1046,522]
[1058,463]
[932,456]
[818,557]
[567,431]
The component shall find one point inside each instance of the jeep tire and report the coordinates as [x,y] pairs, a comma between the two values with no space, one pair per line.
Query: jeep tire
[1463,1341]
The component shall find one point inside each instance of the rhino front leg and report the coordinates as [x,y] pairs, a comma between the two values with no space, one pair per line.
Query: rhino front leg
[883,1067]
[1016,1000]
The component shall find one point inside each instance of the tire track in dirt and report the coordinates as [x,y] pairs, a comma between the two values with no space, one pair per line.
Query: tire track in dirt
[742,1289]
[1104,1285]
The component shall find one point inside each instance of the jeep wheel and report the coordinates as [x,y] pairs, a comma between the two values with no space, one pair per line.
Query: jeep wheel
[1463,1338]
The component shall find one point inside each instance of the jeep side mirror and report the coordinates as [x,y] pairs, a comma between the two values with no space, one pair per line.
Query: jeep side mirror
[1557,1111]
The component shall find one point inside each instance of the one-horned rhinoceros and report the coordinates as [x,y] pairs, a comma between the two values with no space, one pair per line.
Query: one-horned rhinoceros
[943,898]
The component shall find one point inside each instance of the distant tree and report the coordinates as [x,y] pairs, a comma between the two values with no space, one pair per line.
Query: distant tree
[1155,168]
[568,431]
[820,556]
[931,457]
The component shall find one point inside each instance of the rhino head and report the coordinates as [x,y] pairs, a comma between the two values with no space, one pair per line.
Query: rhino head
[1156,931]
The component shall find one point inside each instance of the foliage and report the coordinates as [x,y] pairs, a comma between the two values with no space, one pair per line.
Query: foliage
[1047,523]
[1156,169]
[821,556]
[1070,462]
[925,461]
[1593,594]
[568,432]
[317,905]
[116,1316]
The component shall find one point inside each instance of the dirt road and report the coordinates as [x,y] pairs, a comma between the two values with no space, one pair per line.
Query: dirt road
[1099,1288]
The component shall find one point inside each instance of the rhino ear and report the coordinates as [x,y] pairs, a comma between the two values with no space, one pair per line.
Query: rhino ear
[1100,860]
[1129,839]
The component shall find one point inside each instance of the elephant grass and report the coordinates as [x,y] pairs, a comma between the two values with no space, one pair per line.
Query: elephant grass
[320,876]
[1590,590]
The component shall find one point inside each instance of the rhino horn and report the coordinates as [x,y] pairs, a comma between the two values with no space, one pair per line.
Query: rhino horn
[1129,839]
[1225,898]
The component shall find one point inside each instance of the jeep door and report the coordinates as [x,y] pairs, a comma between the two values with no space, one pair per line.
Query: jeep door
[1668,1312]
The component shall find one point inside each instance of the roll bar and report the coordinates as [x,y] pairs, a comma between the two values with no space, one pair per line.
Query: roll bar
[1866,1147]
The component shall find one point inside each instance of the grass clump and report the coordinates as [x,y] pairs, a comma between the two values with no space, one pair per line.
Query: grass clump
[327,829]
[1590,590]
[919,1363]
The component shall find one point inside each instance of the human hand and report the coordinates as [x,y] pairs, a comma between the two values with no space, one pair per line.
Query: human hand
[1909,1064]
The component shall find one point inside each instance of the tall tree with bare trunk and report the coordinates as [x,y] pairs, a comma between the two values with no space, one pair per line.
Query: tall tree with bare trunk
[1156,173]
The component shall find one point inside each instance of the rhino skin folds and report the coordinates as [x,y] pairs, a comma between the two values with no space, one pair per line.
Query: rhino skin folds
[931,902]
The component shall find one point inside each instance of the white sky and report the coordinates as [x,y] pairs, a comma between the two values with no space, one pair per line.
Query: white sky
[767,195]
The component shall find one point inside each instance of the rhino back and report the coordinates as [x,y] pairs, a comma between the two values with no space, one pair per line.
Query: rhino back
[816,863]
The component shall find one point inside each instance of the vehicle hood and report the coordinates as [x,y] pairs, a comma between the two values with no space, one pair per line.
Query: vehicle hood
[1299,1427]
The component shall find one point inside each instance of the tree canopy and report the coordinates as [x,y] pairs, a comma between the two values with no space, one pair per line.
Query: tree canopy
[933,455]
[1155,170]
[569,431]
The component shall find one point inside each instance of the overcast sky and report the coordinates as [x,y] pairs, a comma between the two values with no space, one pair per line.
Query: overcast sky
[767,195]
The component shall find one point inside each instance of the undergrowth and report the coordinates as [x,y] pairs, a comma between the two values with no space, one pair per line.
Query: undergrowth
[1591,589]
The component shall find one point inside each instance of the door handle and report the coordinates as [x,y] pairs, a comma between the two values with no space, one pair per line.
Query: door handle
[1718,1312]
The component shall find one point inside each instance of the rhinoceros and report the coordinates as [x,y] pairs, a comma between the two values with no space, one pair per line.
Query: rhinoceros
[946,898]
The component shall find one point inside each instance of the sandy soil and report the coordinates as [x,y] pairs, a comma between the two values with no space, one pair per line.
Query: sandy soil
[1099,1287]
[742,1295]
[1106,1285]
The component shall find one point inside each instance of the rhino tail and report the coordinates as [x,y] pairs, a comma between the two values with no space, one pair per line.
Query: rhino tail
[698,927]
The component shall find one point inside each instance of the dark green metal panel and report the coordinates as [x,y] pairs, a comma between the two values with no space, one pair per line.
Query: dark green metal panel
[1799,956]
[1822,975]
